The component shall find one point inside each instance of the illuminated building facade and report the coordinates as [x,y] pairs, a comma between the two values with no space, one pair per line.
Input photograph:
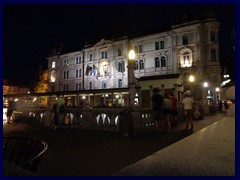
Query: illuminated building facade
[164,60]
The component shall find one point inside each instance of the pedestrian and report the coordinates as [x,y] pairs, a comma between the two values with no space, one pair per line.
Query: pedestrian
[58,109]
[188,110]
[173,111]
[220,106]
[10,110]
[157,101]
[166,111]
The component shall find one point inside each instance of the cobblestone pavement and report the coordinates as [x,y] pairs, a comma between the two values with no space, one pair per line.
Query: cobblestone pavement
[74,152]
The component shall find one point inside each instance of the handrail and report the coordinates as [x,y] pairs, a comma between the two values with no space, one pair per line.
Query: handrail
[25,152]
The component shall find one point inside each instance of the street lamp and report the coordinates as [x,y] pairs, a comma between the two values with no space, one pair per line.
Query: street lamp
[131,77]
[191,80]
[217,94]
[205,84]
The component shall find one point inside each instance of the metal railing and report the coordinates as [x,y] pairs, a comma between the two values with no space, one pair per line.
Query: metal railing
[24,152]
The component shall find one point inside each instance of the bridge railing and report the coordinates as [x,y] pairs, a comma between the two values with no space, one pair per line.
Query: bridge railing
[103,119]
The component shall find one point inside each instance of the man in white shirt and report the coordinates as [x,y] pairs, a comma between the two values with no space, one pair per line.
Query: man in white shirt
[188,109]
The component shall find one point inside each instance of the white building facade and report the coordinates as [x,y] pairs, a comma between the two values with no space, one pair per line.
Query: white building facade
[164,60]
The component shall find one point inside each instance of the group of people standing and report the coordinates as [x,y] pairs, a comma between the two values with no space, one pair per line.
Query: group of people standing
[164,110]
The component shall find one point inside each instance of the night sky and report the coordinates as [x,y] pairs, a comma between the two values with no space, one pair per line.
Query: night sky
[31,31]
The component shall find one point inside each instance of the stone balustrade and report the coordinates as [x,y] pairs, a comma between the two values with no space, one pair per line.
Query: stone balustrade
[104,119]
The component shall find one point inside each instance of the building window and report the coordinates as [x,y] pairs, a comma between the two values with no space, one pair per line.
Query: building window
[119,52]
[121,66]
[157,62]
[119,83]
[163,61]
[104,84]
[157,46]
[136,49]
[53,64]
[213,55]
[76,72]
[140,49]
[136,65]
[65,87]
[90,85]
[65,74]
[90,57]
[162,44]
[184,40]
[80,73]
[65,62]
[78,86]
[212,36]
[89,70]
[78,60]
[53,75]
[53,89]
[141,64]
[186,58]
[104,54]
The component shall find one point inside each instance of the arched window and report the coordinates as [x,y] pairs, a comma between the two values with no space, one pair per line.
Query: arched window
[76,72]
[186,58]
[163,61]
[78,86]
[136,65]
[157,62]
[141,64]
[213,55]
[121,66]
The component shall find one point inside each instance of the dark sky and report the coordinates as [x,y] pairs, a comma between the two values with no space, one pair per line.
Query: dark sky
[31,31]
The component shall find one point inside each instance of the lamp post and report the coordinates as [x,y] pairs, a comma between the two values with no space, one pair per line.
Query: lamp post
[131,77]
[205,107]
[217,94]
[191,80]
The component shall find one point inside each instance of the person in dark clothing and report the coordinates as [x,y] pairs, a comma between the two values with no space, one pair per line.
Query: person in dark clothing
[58,110]
[157,101]
[220,106]
[10,110]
